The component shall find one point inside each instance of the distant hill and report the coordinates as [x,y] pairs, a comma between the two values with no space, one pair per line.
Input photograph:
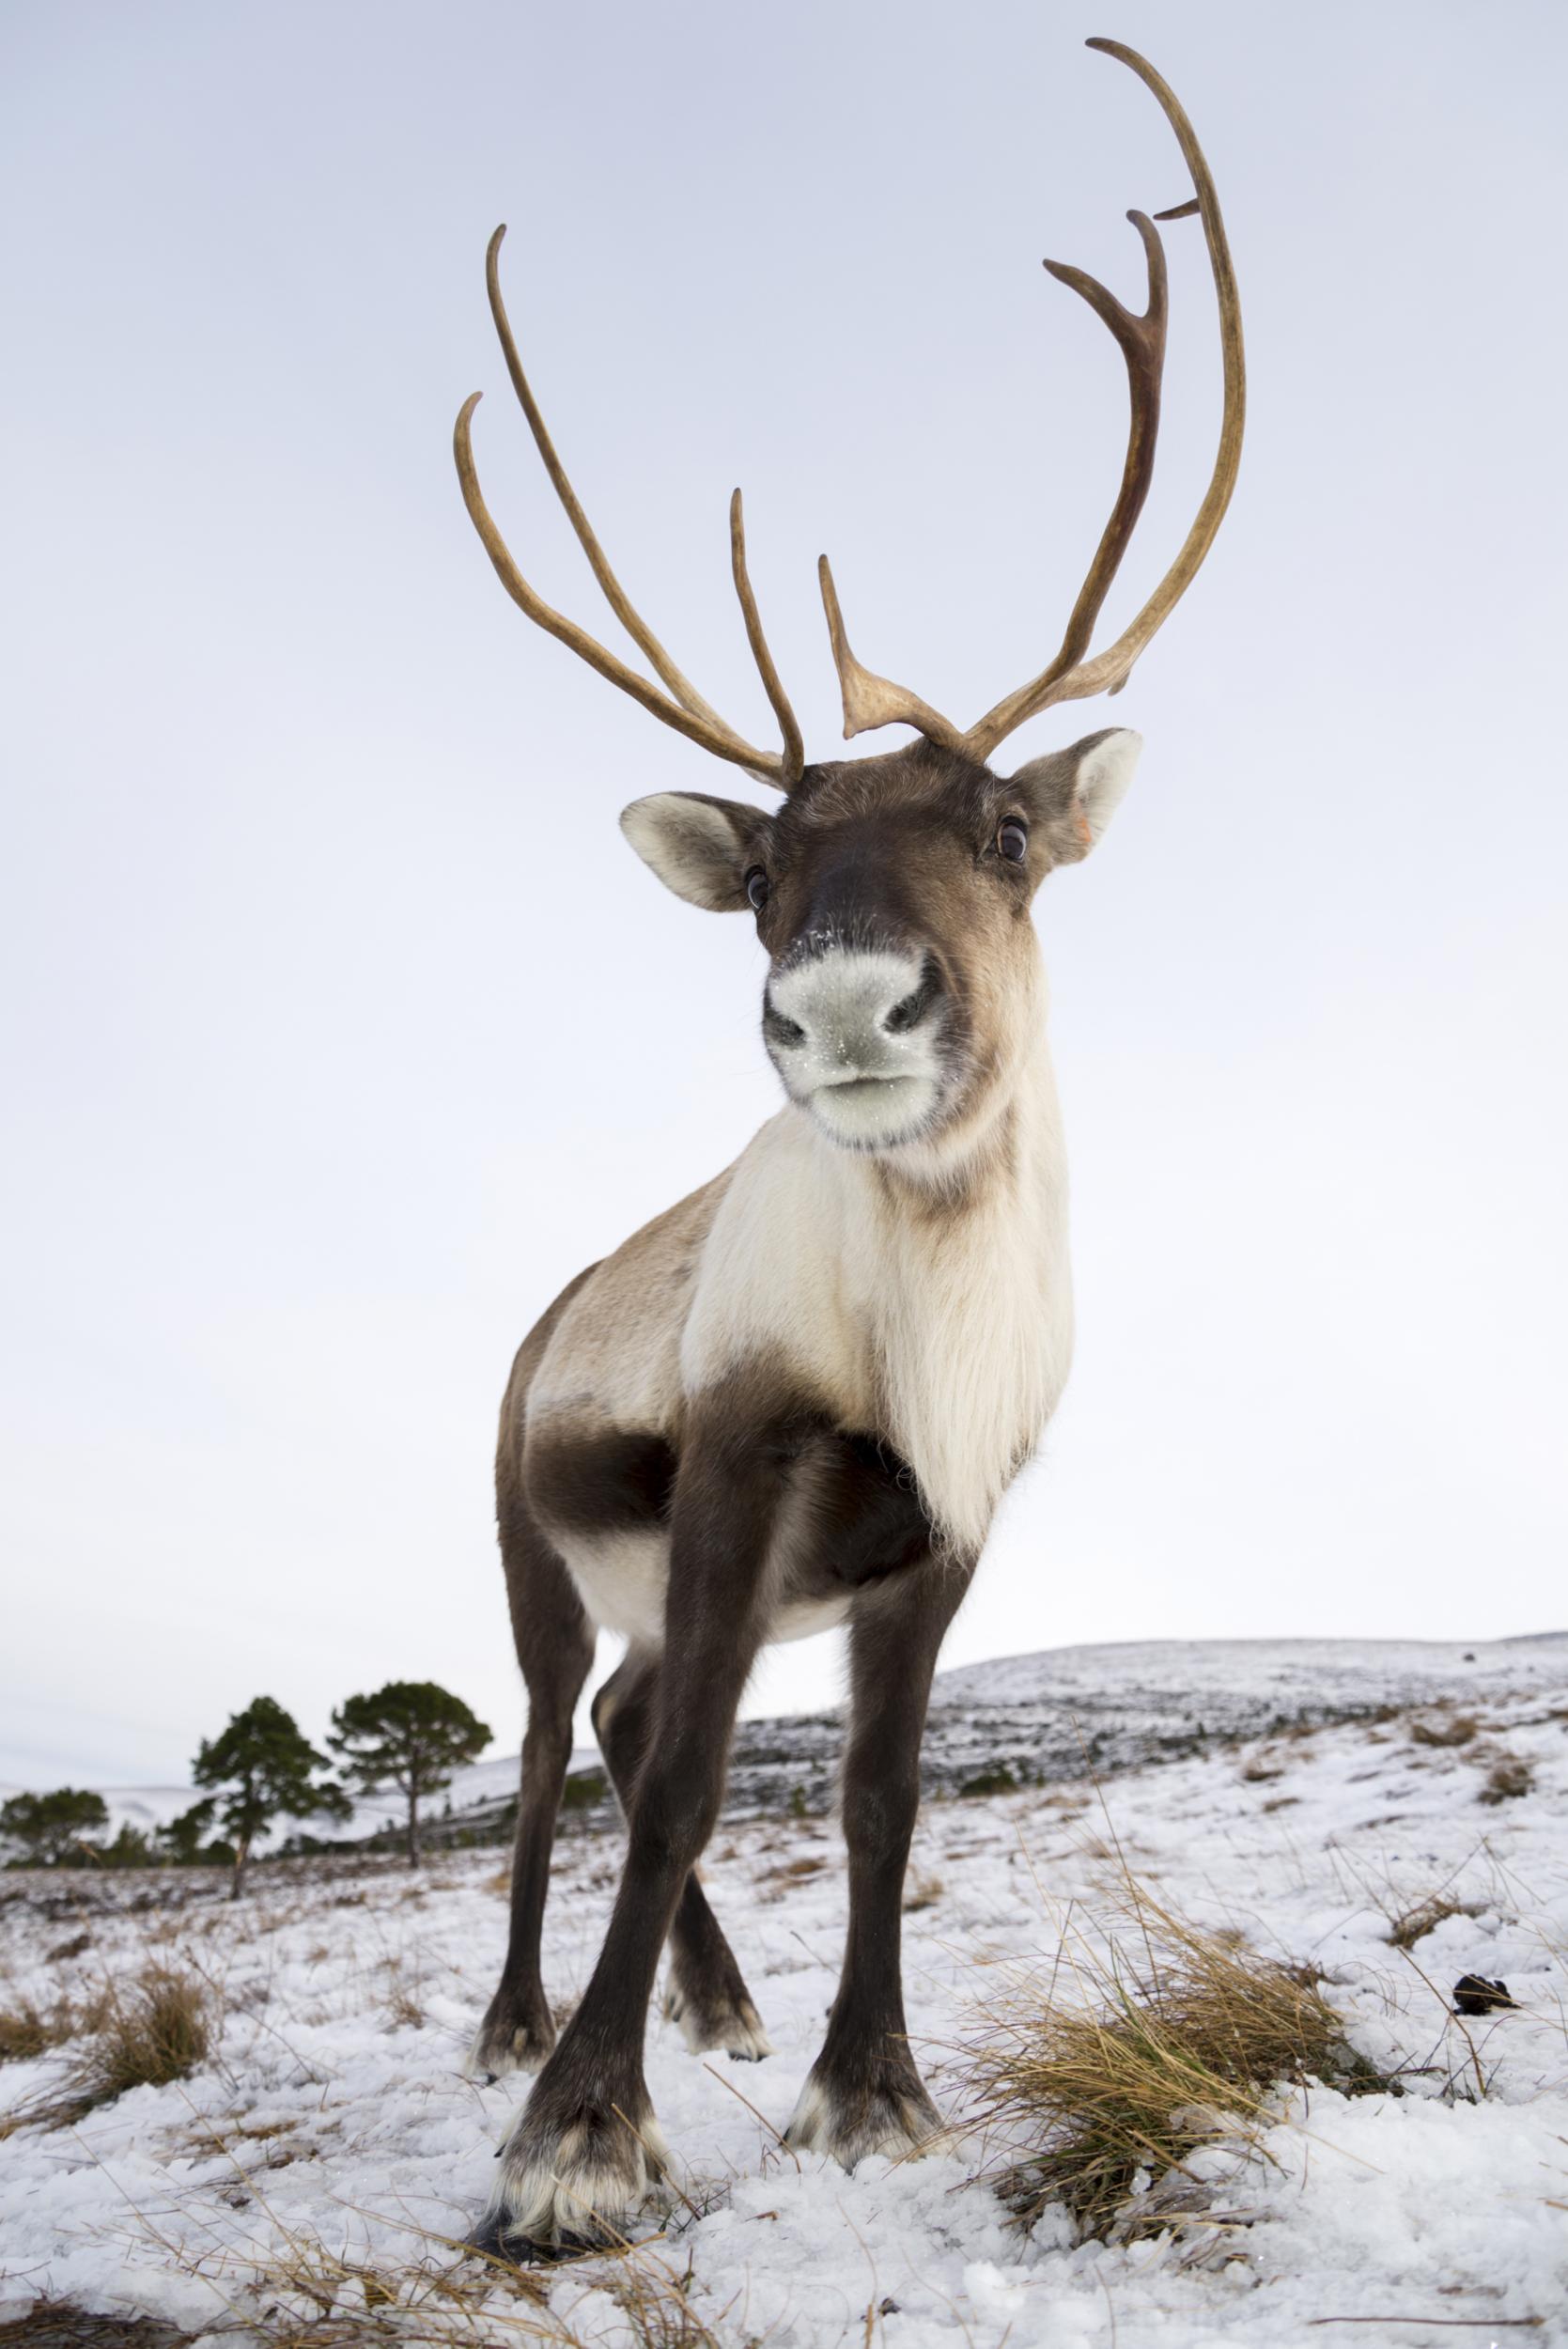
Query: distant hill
[1028,1719]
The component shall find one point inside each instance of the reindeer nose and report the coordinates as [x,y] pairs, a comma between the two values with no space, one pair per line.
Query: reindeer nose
[853,1011]
[913,1008]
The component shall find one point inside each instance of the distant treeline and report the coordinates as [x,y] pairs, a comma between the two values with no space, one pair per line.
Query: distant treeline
[410,1735]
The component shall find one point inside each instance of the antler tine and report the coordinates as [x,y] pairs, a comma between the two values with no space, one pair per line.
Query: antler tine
[794,746]
[712,735]
[870,700]
[1070,677]
[614,594]
[682,707]
[1142,340]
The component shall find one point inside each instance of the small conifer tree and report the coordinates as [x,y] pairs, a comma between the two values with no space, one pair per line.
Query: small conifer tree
[412,1734]
[260,1768]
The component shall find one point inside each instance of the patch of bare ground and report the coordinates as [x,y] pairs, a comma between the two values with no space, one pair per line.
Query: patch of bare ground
[789,1869]
[1444,1729]
[1509,1777]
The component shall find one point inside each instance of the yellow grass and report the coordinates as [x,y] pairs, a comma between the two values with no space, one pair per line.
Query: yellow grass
[304,2294]
[26,2030]
[1108,2073]
[152,2031]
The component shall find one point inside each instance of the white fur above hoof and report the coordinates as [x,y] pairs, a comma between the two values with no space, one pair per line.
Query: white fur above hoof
[734,2030]
[575,2189]
[893,2117]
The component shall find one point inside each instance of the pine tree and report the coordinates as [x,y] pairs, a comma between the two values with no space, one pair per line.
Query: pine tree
[411,1733]
[51,1828]
[186,1839]
[261,1766]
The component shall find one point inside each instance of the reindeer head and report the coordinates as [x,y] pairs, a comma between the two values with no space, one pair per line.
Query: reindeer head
[892,894]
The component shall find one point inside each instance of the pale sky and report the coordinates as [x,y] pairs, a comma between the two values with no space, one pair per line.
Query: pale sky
[341,1025]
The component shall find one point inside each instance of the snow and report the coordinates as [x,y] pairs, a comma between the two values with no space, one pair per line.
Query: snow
[328,2115]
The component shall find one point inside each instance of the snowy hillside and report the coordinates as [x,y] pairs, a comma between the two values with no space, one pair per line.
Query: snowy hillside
[1049,1717]
[305,2181]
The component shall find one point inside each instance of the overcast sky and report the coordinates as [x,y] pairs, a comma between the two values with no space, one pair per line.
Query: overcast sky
[341,1025]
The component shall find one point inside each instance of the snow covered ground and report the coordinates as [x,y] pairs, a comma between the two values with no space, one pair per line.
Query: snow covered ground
[332,2121]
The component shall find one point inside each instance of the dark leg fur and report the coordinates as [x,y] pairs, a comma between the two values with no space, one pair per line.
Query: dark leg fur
[704,1991]
[555,1647]
[583,2153]
[865,2093]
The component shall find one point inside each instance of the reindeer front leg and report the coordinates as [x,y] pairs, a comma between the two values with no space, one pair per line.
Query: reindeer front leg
[586,2147]
[865,2093]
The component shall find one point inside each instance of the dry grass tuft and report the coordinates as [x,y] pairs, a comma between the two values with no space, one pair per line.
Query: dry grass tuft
[145,2034]
[308,2296]
[1414,1924]
[155,2030]
[404,2011]
[656,2301]
[1168,2039]
[788,1869]
[27,2030]
[60,2325]
[1509,1777]
[1452,1729]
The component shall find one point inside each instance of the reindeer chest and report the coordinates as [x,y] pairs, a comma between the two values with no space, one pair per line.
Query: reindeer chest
[972,1336]
[947,1335]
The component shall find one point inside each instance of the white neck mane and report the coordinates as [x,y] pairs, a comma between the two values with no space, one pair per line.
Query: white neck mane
[972,1310]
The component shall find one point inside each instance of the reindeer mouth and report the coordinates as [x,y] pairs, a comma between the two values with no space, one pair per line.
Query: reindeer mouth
[868,1113]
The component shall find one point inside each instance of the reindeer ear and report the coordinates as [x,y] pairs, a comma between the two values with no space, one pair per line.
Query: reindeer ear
[1075,793]
[700,847]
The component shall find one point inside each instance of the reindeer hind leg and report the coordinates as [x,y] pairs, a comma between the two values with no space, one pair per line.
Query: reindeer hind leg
[704,1993]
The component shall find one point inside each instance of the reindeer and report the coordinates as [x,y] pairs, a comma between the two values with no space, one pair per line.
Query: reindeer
[796,1398]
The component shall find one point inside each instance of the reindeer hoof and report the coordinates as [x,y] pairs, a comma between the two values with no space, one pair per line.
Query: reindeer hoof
[730,2024]
[573,2185]
[886,2112]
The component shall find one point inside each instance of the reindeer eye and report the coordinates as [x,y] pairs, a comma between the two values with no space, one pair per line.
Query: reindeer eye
[1012,840]
[756,886]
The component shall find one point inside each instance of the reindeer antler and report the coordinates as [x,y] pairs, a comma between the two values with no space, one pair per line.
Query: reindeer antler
[681,707]
[871,701]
